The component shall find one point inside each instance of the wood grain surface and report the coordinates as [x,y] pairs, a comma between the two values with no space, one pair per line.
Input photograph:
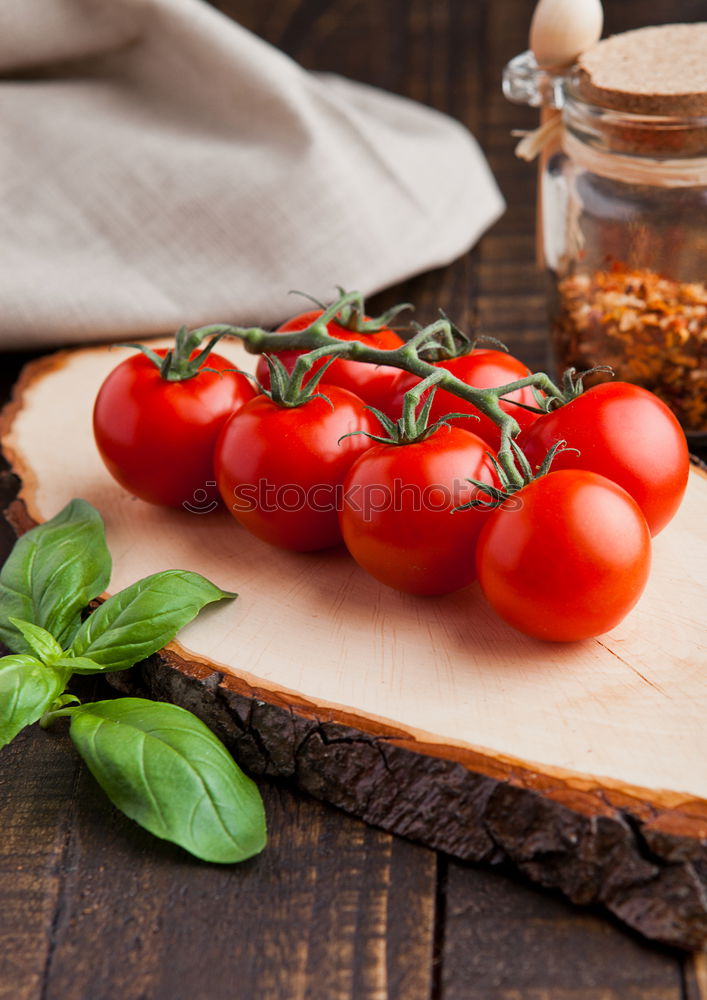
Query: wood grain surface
[332,909]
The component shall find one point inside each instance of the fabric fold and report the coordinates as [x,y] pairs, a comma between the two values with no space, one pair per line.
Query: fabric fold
[162,165]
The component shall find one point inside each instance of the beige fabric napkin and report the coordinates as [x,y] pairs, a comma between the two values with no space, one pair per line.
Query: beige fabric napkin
[161,165]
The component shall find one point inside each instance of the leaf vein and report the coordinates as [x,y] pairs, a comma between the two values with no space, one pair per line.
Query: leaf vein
[148,788]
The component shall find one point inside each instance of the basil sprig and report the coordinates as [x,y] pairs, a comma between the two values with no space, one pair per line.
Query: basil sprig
[156,762]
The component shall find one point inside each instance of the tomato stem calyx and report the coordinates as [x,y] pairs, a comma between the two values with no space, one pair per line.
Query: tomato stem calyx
[178,365]
[492,496]
[288,389]
[413,425]
[573,386]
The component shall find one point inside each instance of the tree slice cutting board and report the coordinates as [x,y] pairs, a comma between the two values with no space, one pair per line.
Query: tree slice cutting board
[584,765]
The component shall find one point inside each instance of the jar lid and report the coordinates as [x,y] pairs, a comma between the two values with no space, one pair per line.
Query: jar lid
[650,71]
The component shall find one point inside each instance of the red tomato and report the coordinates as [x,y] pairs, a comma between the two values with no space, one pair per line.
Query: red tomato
[371,383]
[398,519]
[571,562]
[625,433]
[157,437]
[280,469]
[482,369]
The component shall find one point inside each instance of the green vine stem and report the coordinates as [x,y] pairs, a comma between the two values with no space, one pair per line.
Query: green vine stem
[316,339]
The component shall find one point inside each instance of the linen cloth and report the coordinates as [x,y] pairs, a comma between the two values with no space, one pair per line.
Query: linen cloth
[161,165]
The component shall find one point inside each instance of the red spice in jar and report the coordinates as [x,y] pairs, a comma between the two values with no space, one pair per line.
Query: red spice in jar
[650,329]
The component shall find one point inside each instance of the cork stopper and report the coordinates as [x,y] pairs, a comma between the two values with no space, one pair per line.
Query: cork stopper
[651,71]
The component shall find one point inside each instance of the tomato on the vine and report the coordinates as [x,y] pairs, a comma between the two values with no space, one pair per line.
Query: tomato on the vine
[280,468]
[371,383]
[570,561]
[482,369]
[625,433]
[156,437]
[399,520]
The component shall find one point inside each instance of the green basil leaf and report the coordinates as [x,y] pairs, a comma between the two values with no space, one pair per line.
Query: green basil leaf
[43,643]
[27,689]
[166,770]
[78,665]
[142,618]
[52,573]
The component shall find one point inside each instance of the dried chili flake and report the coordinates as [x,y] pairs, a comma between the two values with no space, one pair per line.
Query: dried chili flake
[650,329]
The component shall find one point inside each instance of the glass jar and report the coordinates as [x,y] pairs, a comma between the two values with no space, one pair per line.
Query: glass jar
[624,234]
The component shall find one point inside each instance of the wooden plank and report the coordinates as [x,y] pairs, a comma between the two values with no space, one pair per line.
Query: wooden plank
[511,290]
[636,13]
[397,45]
[696,977]
[504,941]
[330,911]
[37,802]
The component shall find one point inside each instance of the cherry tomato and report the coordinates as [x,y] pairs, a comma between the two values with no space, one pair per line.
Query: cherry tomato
[371,383]
[482,369]
[280,469]
[625,433]
[398,519]
[157,437]
[571,562]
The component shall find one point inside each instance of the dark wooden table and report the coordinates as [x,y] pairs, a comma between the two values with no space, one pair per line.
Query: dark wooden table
[93,908]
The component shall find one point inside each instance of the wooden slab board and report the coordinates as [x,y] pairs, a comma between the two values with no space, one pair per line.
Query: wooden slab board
[583,764]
